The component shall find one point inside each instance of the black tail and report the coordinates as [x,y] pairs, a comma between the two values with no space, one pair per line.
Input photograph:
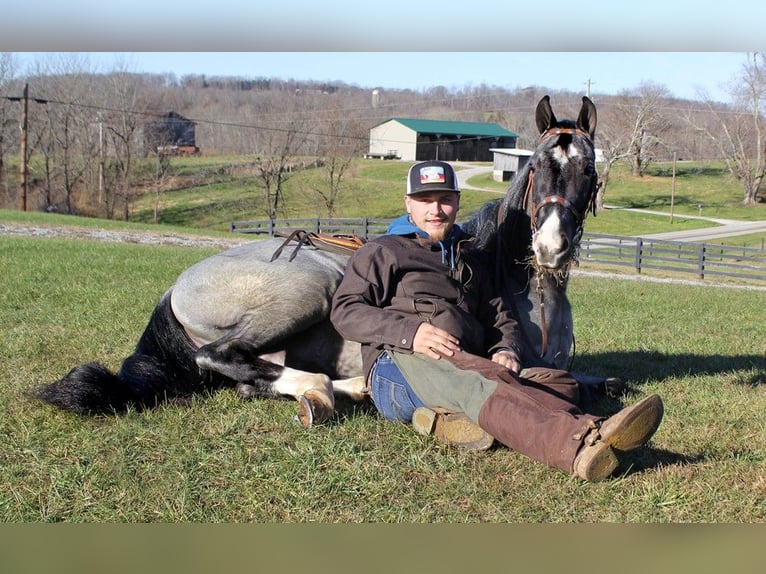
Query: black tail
[161,368]
[87,390]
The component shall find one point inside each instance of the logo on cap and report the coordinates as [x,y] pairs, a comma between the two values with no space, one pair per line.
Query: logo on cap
[432,174]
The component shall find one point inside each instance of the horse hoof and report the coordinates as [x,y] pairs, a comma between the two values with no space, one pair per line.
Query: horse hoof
[245,391]
[314,407]
[305,414]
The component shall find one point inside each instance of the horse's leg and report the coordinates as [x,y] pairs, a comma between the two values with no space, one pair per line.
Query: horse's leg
[355,388]
[255,376]
[340,362]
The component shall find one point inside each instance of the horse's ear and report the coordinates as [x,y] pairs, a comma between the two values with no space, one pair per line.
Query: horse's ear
[587,120]
[544,115]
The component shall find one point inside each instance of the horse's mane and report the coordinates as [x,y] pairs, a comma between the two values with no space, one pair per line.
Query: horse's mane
[505,216]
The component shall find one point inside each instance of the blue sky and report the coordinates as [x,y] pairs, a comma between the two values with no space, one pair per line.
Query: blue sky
[396,25]
[684,45]
[685,74]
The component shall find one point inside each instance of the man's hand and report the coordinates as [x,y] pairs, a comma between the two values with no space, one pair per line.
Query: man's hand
[434,342]
[508,359]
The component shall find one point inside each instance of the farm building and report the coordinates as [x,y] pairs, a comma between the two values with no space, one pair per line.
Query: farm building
[417,140]
[172,133]
[508,161]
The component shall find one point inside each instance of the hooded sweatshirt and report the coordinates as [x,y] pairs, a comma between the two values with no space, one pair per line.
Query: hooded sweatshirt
[396,282]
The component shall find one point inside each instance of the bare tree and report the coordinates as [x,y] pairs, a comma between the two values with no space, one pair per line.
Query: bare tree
[343,141]
[278,141]
[8,118]
[740,133]
[631,128]
[643,124]
[70,148]
[123,123]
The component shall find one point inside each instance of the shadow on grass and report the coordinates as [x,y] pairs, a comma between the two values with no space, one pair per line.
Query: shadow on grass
[659,201]
[643,459]
[687,170]
[639,367]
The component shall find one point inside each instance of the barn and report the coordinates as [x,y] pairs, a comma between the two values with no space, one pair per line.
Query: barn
[418,140]
[508,161]
[171,133]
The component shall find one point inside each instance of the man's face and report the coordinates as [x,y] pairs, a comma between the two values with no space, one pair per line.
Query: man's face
[434,212]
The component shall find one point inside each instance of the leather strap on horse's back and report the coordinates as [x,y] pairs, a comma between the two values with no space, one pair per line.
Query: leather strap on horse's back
[340,244]
[343,244]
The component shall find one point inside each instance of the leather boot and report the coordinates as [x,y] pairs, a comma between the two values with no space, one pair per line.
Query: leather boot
[627,430]
[455,429]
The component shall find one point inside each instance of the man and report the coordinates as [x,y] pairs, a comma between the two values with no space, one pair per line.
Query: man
[440,350]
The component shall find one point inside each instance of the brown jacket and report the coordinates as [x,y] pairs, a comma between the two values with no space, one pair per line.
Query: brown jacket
[393,284]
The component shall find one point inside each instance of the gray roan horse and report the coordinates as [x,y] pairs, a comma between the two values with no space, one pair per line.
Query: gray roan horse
[238,319]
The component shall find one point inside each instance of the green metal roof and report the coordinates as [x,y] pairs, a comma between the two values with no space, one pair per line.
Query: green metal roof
[455,128]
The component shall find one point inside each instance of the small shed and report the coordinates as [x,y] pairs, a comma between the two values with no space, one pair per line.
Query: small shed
[418,140]
[172,133]
[508,161]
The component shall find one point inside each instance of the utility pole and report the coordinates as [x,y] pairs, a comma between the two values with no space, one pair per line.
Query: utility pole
[23,166]
[673,189]
[100,159]
[587,87]
[23,154]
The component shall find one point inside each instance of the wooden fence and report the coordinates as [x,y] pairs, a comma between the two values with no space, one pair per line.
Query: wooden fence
[701,260]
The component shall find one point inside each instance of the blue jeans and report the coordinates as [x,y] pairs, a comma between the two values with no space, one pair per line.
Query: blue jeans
[390,392]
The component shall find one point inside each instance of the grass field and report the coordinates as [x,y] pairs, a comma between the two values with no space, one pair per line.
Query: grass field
[217,459]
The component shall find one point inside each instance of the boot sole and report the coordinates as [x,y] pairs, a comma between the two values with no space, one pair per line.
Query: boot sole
[596,463]
[633,426]
[451,428]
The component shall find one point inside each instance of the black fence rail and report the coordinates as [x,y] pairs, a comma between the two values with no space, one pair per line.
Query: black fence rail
[701,260]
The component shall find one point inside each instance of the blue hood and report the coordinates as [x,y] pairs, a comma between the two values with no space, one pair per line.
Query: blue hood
[403,226]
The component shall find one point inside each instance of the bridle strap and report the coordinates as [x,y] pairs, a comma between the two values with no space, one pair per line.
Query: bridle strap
[561,131]
[554,199]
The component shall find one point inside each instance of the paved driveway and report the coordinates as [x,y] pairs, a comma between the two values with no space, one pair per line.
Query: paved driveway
[722,227]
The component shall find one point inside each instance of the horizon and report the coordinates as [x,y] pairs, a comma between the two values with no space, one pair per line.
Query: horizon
[686,75]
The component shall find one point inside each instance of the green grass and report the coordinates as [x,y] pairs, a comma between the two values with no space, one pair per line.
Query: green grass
[216,459]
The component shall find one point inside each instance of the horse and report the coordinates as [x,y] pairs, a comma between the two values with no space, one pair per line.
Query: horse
[531,237]
[255,320]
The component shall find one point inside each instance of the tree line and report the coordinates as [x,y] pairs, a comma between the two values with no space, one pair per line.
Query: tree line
[86,142]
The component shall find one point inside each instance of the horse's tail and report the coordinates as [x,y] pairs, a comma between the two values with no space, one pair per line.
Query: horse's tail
[162,367]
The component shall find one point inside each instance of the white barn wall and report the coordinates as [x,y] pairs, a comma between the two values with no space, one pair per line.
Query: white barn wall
[392,135]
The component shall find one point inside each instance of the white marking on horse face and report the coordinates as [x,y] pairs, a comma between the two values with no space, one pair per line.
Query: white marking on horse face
[559,155]
[563,155]
[548,242]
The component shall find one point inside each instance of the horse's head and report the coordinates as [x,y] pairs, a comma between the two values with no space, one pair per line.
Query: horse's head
[561,185]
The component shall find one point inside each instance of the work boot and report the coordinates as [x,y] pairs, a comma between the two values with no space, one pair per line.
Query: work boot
[451,428]
[627,430]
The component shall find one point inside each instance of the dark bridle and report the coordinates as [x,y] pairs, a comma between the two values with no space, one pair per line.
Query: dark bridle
[535,208]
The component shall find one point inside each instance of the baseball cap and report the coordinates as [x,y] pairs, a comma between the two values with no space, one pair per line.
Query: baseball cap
[431,176]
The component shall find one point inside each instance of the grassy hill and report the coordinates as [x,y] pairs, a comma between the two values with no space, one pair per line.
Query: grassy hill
[205,194]
[375,188]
